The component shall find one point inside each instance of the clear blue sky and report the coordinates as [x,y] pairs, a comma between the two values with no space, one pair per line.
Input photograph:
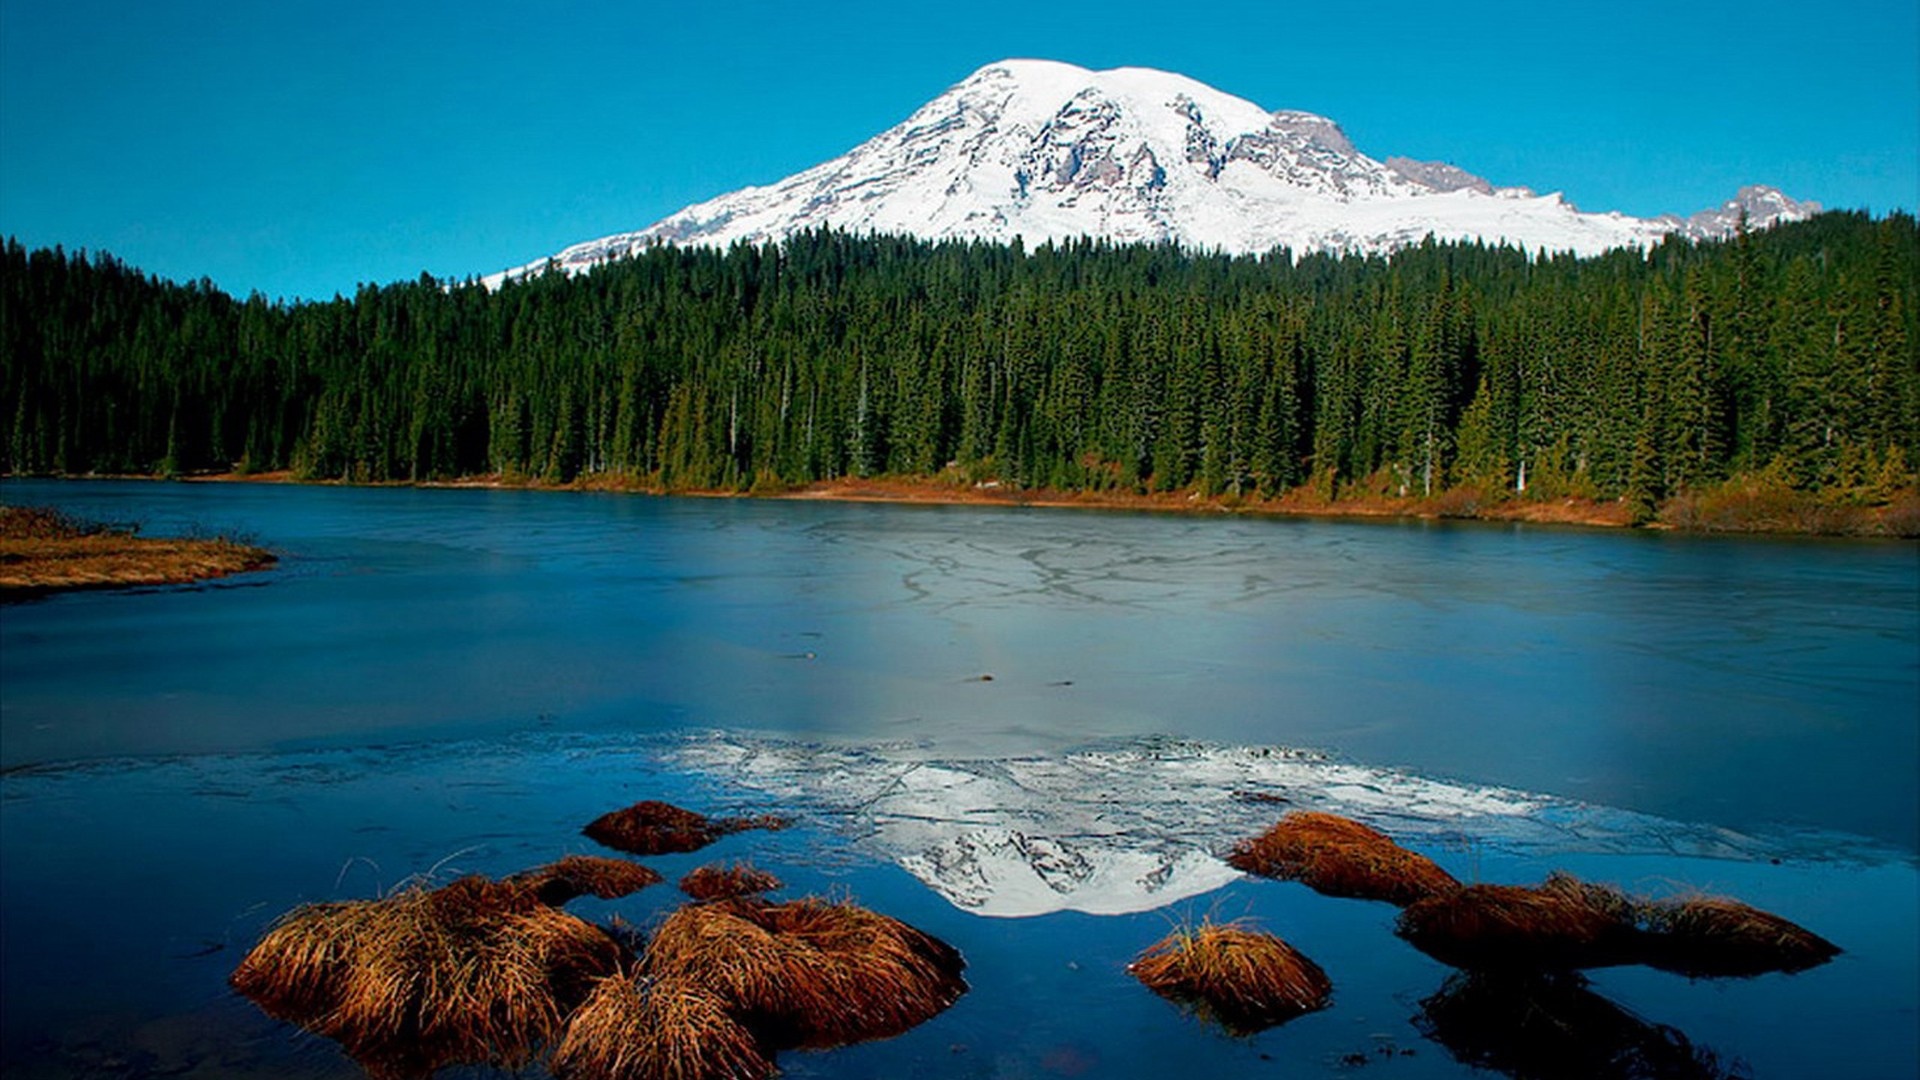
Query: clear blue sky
[299,148]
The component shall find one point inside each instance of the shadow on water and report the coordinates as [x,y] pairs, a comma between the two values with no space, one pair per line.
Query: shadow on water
[1553,1026]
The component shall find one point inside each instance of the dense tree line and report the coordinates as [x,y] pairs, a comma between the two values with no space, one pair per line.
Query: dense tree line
[1087,365]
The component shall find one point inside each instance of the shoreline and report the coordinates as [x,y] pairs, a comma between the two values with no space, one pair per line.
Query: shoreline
[1803,518]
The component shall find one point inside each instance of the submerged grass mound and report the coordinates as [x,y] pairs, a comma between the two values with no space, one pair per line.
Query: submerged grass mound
[657,1029]
[1244,980]
[1564,924]
[717,882]
[809,973]
[474,972]
[575,876]
[1550,1026]
[651,827]
[1709,937]
[1341,857]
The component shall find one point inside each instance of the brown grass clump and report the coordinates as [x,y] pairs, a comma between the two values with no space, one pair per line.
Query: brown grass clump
[1709,937]
[810,973]
[1242,979]
[1510,927]
[716,882]
[651,827]
[1341,857]
[1606,899]
[474,972]
[657,1029]
[574,876]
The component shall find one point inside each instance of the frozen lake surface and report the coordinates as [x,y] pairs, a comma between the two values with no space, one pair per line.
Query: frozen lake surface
[1030,732]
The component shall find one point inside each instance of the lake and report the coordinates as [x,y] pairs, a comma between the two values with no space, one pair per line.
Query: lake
[1027,731]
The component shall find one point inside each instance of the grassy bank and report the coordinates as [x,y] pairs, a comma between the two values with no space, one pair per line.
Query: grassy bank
[43,551]
[1758,504]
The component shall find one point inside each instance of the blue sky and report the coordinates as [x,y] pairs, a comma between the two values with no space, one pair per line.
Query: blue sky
[300,148]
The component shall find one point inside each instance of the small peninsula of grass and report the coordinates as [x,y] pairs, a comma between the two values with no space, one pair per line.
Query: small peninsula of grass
[43,550]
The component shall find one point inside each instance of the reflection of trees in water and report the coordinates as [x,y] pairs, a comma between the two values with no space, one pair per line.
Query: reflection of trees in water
[1552,1026]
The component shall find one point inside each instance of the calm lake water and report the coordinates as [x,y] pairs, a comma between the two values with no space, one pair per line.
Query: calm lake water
[461,678]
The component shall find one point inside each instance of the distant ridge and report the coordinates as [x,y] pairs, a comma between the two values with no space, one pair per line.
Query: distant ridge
[1042,150]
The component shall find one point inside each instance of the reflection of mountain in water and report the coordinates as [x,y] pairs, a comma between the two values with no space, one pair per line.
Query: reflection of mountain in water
[1138,825]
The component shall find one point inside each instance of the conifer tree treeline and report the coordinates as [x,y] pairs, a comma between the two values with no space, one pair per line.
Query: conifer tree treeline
[1079,366]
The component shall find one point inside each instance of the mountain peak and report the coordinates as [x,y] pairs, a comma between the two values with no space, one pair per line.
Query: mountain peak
[1045,151]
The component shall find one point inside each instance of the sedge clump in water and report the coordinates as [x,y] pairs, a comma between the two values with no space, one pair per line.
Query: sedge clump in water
[652,827]
[1338,856]
[574,876]
[1716,937]
[635,1028]
[809,973]
[474,972]
[1563,924]
[1242,979]
[715,881]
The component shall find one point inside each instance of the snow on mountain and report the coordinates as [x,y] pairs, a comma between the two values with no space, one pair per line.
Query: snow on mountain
[1044,151]
[1139,824]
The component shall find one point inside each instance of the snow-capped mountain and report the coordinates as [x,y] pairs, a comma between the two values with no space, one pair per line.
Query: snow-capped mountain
[1048,151]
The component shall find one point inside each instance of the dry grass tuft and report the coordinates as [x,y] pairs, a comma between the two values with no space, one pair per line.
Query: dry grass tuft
[1564,924]
[1341,857]
[1242,979]
[1626,910]
[716,882]
[574,876]
[654,1029]
[651,827]
[1709,937]
[809,973]
[474,972]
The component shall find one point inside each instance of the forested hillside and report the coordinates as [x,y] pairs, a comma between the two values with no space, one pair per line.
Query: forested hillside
[1786,354]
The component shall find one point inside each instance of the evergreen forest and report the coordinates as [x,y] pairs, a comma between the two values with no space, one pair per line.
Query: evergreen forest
[1639,376]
